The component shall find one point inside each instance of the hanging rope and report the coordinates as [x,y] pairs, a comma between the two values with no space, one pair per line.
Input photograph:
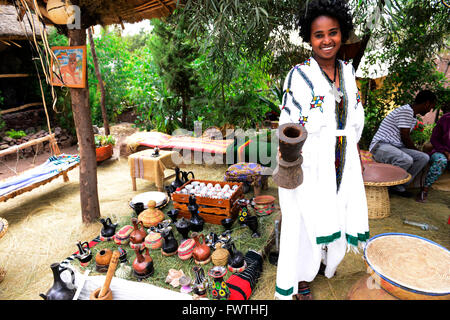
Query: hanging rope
[48,54]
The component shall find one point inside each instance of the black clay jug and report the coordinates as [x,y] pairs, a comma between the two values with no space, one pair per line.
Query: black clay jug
[170,245]
[60,289]
[236,258]
[196,220]
[109,228]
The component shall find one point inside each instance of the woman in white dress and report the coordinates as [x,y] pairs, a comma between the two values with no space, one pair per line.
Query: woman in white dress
[327,214]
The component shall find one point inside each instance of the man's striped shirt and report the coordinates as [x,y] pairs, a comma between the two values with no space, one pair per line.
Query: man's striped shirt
[389,130]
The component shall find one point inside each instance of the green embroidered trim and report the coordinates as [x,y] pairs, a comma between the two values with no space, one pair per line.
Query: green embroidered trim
[360,237]
[328,239]
[284,292]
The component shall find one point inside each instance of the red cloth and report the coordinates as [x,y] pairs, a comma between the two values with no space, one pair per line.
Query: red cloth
[243,285]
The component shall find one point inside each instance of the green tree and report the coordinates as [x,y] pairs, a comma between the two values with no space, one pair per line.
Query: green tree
[174,53]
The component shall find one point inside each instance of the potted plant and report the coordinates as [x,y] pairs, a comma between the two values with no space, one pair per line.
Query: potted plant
[104,146]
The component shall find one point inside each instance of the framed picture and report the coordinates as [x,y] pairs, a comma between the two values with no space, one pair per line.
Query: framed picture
[70,71]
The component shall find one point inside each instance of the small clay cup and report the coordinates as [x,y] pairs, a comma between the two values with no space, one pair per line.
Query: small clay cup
[95,293]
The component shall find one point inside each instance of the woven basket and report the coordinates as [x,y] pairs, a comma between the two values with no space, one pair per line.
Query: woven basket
[378,204]
[377,196]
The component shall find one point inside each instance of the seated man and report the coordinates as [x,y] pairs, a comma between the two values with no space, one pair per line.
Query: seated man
[440,154]
[392,142]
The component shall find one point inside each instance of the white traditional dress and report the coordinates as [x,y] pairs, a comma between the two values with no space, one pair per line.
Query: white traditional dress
[327,213]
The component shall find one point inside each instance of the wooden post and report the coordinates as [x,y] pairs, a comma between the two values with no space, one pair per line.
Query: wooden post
[90,209]
[100,81]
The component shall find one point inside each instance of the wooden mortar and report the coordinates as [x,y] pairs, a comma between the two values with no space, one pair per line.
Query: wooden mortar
[105,293]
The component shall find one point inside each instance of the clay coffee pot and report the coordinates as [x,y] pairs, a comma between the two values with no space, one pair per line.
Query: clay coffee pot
[138,207]
[178,182]
[183,227]
[236,260]
[142,264]
[173,214]
[170,245]
[108,230]
[202,252]
[60,290]
[200,282]
[84,254]
[196,220]
[138,235]
[252,223]
[151,216]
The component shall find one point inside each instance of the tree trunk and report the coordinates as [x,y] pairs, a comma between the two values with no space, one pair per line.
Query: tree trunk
[90,209]
[100,81]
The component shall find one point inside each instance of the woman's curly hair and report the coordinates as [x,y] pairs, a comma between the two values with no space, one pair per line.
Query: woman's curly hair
[333,8]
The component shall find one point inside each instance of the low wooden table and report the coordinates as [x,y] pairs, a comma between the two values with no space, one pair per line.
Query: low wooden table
[144,166]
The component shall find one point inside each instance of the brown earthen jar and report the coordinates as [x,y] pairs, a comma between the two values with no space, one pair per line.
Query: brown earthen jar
[138,235]
[202,252]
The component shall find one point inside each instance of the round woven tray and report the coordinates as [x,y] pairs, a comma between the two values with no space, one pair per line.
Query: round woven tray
[409,266]
[3,227]
[389,183]
[377,196]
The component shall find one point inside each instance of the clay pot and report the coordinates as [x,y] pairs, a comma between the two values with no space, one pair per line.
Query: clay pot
[252,223]
[60,289]
[183,226]
[219,290]
[104,152]
[102,259]
[151,216]
[143,264]
[236,258]
[220,255]
[196,221]
[95,293]
[84,254]
[200,282]
[173,214]
[138,207]
[108,229]
[170,245]
[201,253]
[138,235]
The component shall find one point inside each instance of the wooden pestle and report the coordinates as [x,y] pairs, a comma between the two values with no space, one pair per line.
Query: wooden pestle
[110,273]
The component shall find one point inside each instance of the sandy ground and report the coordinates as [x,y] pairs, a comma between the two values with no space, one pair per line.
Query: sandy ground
[45,224]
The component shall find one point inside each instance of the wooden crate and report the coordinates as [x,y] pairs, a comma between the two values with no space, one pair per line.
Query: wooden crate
[212,210]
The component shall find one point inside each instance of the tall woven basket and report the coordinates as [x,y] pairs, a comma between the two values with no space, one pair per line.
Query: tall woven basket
[378,204]
[377,195]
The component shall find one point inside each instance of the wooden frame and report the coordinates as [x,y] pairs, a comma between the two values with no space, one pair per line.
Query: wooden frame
[72,78]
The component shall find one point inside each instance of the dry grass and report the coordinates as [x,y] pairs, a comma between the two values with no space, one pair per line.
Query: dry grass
[45,224]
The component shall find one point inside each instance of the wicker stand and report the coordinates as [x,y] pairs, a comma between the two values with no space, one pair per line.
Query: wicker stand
[377,195]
